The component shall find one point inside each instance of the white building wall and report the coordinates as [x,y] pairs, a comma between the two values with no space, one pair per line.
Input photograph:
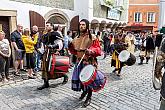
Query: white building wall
[124,16]
[82,8]
[23,11]
[90,9]
[162,14]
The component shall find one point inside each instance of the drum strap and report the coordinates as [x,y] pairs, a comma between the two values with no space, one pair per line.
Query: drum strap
[53,64]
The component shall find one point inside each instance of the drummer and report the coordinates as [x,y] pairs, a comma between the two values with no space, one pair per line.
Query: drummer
[84,44]
[119,45]
[49,39]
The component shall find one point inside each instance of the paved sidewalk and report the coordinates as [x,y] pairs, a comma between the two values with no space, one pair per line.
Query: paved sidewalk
[132,91]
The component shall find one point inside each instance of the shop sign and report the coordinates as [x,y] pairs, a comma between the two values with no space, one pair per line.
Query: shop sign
[113,14]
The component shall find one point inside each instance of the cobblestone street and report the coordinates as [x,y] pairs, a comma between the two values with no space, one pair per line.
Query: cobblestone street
[132,91]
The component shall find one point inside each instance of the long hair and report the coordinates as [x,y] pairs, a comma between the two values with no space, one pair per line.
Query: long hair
[26,32]
[87,28]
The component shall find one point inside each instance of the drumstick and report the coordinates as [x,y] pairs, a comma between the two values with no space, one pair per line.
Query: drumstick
[116,51]
[81,60]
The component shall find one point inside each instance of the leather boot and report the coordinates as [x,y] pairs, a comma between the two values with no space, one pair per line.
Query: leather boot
[45,85]
[65,79]
[141,61]
[147,59]
[87,102]
[83,95]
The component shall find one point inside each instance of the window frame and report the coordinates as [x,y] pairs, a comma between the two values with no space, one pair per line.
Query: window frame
[149,20]
[140,18]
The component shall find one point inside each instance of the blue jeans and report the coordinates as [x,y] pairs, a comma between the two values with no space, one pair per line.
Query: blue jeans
[37,61]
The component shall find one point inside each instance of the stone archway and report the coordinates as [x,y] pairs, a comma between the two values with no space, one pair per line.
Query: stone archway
[56,16]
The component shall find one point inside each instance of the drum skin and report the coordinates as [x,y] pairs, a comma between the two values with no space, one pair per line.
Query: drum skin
[92,78]
[127,57]
[87,71]
[59,64]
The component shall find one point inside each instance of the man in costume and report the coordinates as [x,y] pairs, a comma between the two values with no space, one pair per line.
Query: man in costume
[88,45]
[119,45]
[159,64]
[50,40]
[146,48]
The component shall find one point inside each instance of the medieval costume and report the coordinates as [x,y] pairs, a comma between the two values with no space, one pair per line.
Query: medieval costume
[89,45]
[118,47]
[129,40]
[51,47]
[160,60]
[147,47]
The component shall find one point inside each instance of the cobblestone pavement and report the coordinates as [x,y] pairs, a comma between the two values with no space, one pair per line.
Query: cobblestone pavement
[132,91]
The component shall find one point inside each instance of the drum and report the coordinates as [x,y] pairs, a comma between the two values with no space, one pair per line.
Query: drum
[127,57]
[58,64]
[92,78]
[99,82]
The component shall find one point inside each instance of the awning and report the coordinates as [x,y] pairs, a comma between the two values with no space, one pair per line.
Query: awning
[106,20]
[138,28]
[94,21]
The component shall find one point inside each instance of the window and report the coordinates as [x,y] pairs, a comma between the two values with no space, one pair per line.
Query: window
[151,17]
[119,2]
[138,17]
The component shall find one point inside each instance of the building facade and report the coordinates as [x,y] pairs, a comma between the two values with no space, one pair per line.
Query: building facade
[30,12]
[102,14]
[143,15]
[109,14]
[162,13]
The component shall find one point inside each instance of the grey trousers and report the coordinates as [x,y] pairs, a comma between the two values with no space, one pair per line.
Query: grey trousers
[162,105]
[4,66]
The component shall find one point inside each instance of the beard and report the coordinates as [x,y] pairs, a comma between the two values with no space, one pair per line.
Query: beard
[34,32]
[83,30]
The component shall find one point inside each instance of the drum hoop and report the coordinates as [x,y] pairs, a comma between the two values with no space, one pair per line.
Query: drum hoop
[91,79]
[92,75]
[53,63]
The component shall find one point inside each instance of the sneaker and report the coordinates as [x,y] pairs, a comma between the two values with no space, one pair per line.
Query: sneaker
[8,78]
[31,77]
[24,70]
[34,74]
[4,80]
[140,63]
[16,73]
